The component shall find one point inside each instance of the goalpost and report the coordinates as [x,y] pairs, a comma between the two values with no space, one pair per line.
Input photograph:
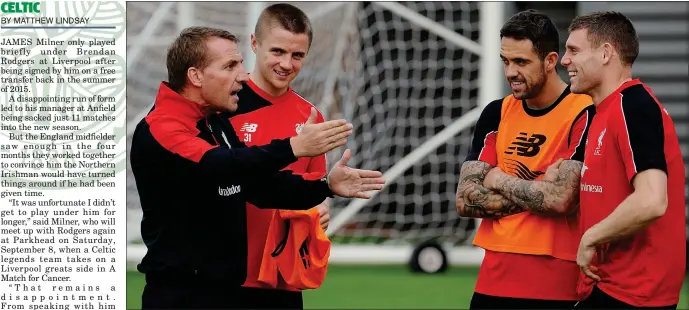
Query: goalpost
[413,78]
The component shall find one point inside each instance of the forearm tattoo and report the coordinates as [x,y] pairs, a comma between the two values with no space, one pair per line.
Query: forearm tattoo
[474,200]
[557,196]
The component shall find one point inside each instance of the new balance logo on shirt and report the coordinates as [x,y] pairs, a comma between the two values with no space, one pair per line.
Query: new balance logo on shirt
[521,170]
[527,147]
[229,191]
[249,127]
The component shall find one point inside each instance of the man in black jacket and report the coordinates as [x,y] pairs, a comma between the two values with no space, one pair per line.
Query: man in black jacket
[194,179]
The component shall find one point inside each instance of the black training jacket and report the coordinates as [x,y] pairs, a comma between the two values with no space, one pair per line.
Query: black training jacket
[194,180]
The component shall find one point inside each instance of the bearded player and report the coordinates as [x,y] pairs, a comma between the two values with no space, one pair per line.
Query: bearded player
[522,175]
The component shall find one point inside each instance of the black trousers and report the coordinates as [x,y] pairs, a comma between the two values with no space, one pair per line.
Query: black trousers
[600,300]
[257,298]
[158,295]
[482,301]
[198,295]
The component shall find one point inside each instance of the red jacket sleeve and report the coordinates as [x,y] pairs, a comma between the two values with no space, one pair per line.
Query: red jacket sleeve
[247,163]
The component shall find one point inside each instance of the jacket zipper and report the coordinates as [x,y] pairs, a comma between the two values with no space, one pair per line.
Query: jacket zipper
[222,133]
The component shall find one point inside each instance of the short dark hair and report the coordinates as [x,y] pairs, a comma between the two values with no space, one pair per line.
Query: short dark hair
[611,27]
[286,16]
[537,28]
[189,50]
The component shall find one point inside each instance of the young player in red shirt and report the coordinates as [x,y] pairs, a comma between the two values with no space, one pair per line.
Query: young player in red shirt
[632,252]
[271,109]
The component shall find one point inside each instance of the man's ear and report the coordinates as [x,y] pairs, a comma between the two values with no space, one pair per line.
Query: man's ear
[195,76]
[254,43]
[607,52]
[551,61]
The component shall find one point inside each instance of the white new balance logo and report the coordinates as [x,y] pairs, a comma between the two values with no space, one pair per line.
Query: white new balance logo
[229,191]
[249,127]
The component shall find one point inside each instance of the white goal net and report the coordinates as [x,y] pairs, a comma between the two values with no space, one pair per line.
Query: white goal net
[408,76]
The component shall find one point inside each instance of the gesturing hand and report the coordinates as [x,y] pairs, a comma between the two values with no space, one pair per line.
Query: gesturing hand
[316,139]
[353,183]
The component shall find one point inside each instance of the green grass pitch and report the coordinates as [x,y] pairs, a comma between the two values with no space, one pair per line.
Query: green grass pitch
[378,287]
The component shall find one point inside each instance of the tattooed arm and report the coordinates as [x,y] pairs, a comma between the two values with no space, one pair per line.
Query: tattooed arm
[560,196]
[474,200]
[558,192]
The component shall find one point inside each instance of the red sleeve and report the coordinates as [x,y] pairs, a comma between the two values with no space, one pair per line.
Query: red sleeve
[640,132]
[317,165]
[489,154]
[485,134]
[579,132]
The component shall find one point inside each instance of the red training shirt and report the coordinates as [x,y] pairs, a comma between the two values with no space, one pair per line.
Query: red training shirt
[630,133]
[259,119]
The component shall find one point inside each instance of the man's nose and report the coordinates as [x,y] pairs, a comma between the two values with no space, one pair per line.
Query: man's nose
[511,72]
[286,63]
[243,77]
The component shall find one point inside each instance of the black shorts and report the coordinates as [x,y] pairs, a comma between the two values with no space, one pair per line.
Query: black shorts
[482,301]
[600,300]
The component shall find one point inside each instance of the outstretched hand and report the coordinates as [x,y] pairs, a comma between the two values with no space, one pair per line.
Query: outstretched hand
[316,139]
[353,183]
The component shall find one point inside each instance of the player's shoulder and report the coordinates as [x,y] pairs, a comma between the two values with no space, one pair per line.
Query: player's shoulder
[498,104]
[580,106]
[249,101]
[493,110]
[304,103]
[636,105]
[160,122]
[638,98]
[579,101]
[507,100]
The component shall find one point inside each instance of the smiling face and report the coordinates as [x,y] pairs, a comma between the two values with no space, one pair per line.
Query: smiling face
[279,57]
[524,70]
[583,62]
